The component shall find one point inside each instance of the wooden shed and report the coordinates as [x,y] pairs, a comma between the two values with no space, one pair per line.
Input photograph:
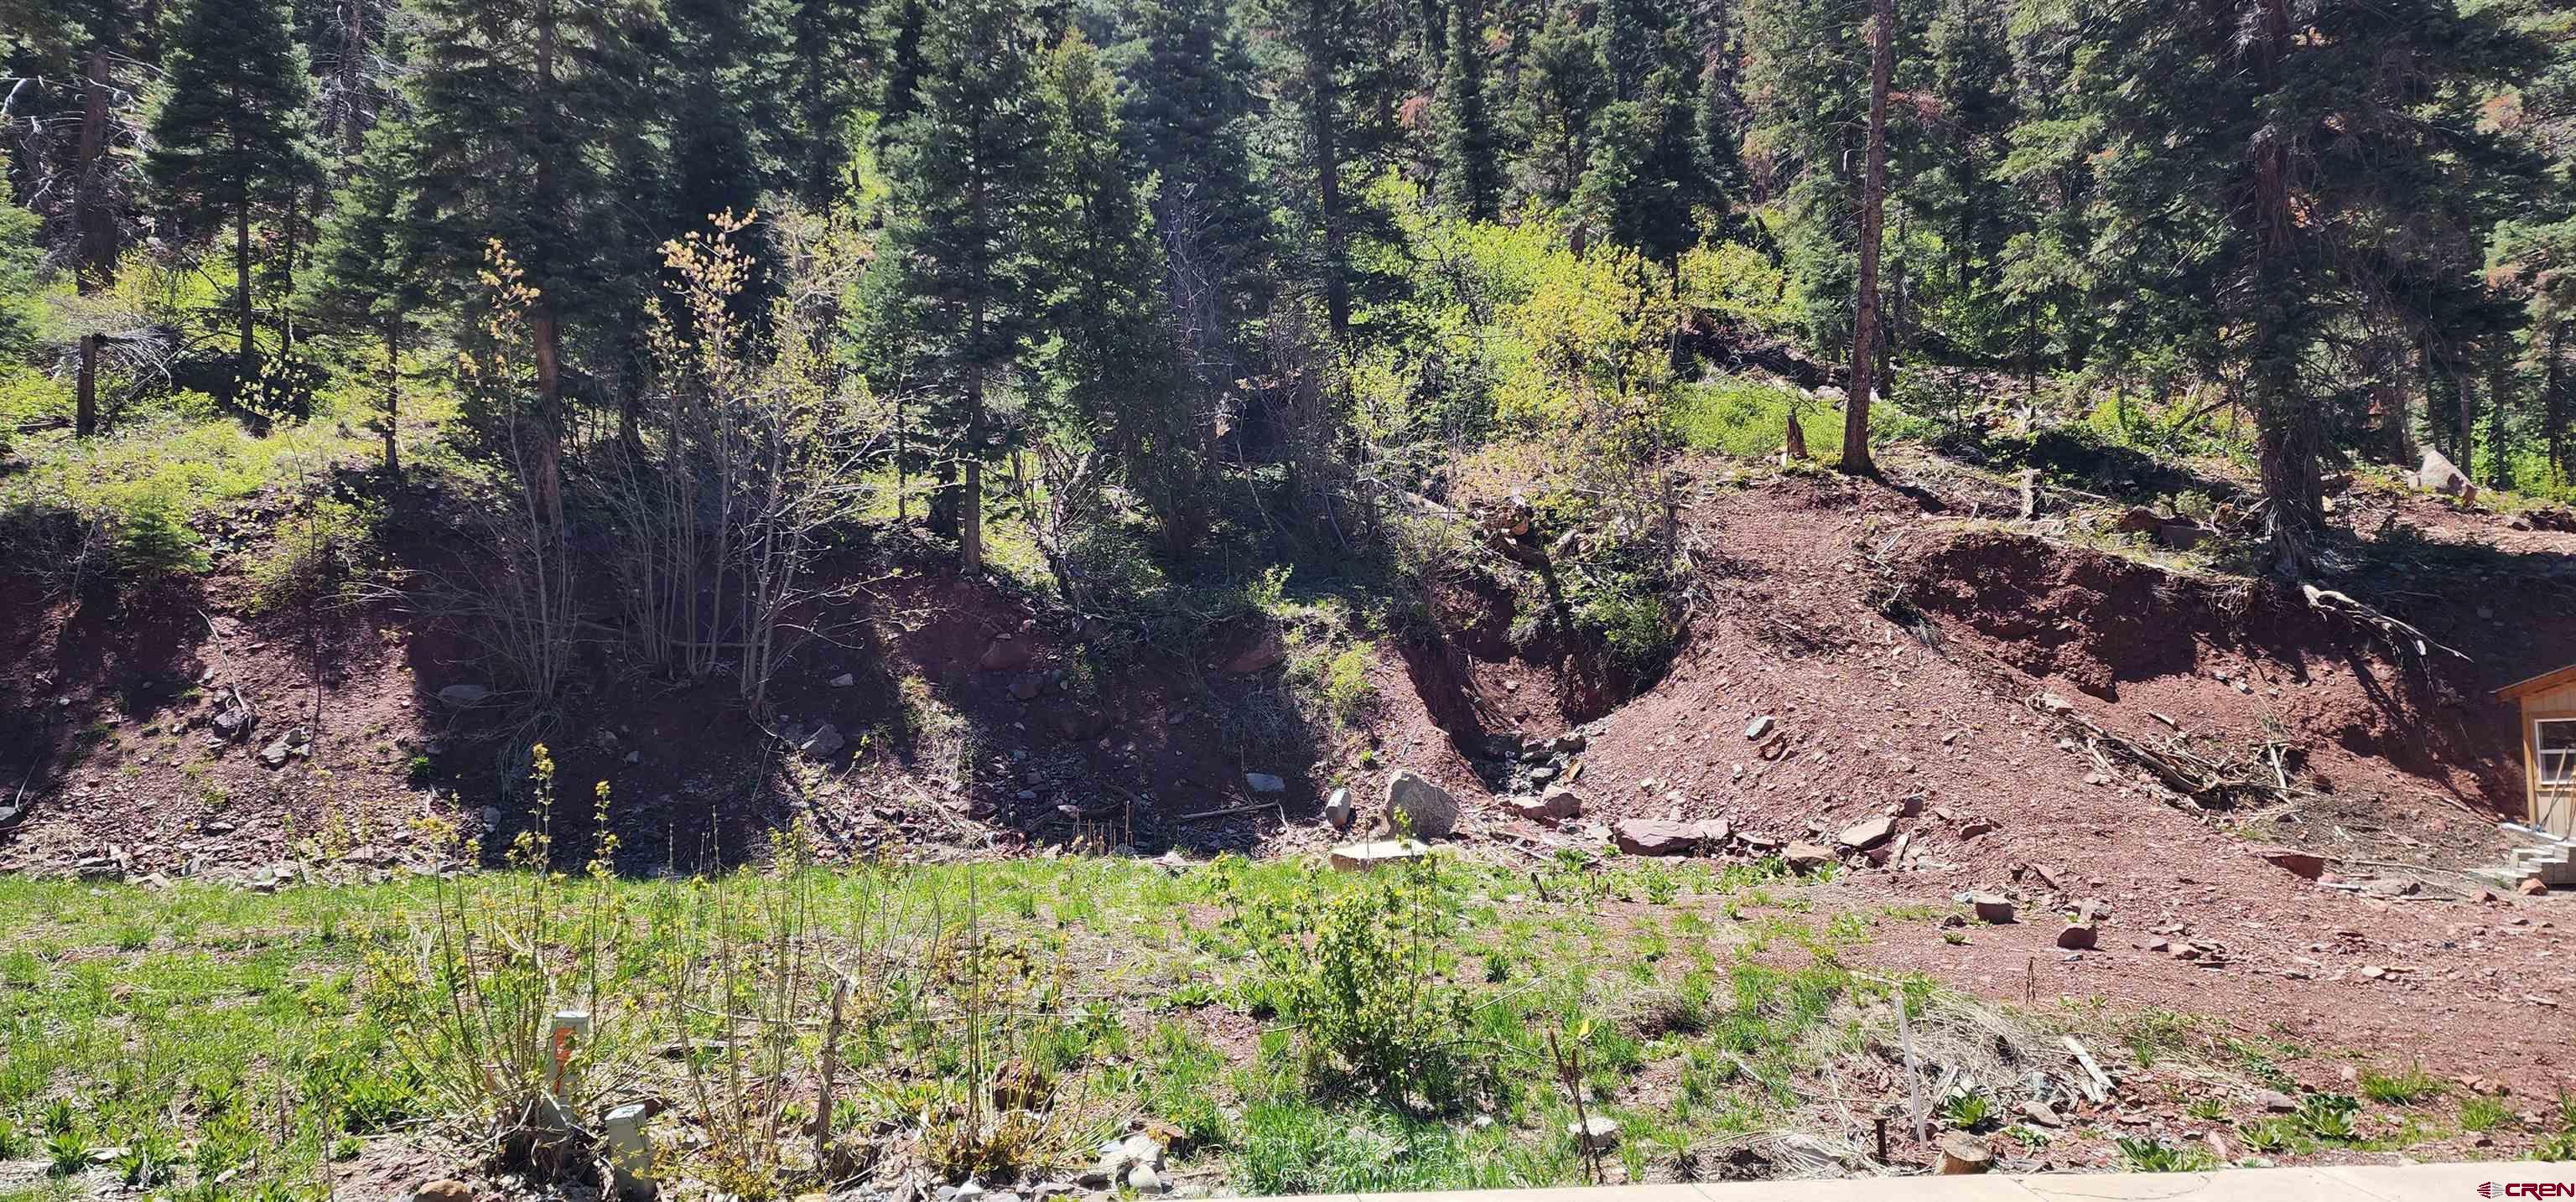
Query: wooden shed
[2548,747]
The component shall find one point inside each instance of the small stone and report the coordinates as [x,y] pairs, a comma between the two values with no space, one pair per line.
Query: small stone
[2532,886]
[1758,727]
[2275,1101]
[1570,742]
[1597,1133]
[1978,826]
[1556,803]
[845,680]
[1991,907]
[276,754]
[1025,688]
[2041,1113]
[1144,1180]
[2077,937]
[1361,857]
[445,1189]
[1263,782]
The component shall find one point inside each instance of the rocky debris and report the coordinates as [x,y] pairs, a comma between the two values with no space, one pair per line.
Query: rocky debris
[845,680]
[1558,802]
[1361,857]
[1078,722]
[1263,782]
[2440,475]
[1990,907]
[1597,1133]
[1337,809]
[445,1189]
[825,741]
[273,877]
[2182,536]
[98,868]
[1978,826]
[1415,806]
[1807,857]
[232,719]
[1862,836]
[1265,652]
[2275,1101]
[1570,742]
[1962,1153]
[298,741]
[1758,727]
[2300,863]
[464,695]
[1136,1162]
[1007,652]
[1656,837]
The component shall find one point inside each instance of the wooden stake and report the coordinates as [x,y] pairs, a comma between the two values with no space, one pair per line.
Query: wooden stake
[831,1062]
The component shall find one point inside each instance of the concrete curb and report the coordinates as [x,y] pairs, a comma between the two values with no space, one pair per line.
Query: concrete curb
[2461,1182]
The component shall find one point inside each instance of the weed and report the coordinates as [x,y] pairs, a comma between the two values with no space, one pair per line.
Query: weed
[67,1152]
[2156,1156]
[2155,1034]
[2207,1110]
[2484,1114]
[2327,1117]
[1954,938]
[1966,1109]
[2401,1089]
[149,1159]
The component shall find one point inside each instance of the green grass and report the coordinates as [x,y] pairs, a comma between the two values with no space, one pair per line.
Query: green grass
[1747,417]
[2401,1089]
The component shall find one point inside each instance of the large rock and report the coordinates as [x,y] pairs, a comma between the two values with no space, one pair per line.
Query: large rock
[2301,863]
[1264,652]
[2441,475]
[1806,857]
[1656,837]
[1416,807]
[821,744]
[1337,809]
[1861,836]
[1558,802]
[1263,782]
[1005,653]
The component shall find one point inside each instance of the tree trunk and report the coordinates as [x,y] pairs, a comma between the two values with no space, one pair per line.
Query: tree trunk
[970,514]
[545,477]
[1873,213]
[393,393]
[95,264]
[1322,101]
[2554,397]
[249,366]
[85,393]
[2499,394]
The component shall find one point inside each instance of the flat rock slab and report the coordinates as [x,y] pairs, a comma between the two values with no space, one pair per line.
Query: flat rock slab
[1656,837]
[1361,857]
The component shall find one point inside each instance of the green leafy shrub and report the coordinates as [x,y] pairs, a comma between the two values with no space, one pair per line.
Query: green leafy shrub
[1358,972]
[312,552]
[2327,1117]
[2156,1156]
[1347,690]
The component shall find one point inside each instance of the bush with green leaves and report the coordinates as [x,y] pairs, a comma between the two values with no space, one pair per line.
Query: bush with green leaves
[1359,970]
[313,552]
[2156,1156]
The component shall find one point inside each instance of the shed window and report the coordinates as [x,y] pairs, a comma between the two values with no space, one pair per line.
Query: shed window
[2554,745]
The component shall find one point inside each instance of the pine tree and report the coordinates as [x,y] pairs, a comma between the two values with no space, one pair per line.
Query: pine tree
[1319,45]
[371,276]
[958,275]
[1113,376]
[1562,88]
[1470,155]
[1648,178]
[230,137]
[826,41]
[1188,120]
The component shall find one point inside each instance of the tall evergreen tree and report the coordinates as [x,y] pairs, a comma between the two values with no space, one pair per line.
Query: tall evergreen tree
[1319,45]
[958,273]
[826,43]
[1563,85]
[372,278]
[1114,377]
[229,139]
[1471,175]
[2262,174]
[1648,177]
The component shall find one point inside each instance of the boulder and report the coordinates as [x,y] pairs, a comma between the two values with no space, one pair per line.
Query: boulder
[1263,782]
[2301,863]
[1991,907]
[1005,653]
[2532,886]
[1415,806]
[445,1189]
[1862,836]
[458,695]
[1656,837]
[2441,475]
[2077,937]
[1807,857]
[1558,802]
[821,744]
[2181,536]
[1265,652]
[1716,832]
